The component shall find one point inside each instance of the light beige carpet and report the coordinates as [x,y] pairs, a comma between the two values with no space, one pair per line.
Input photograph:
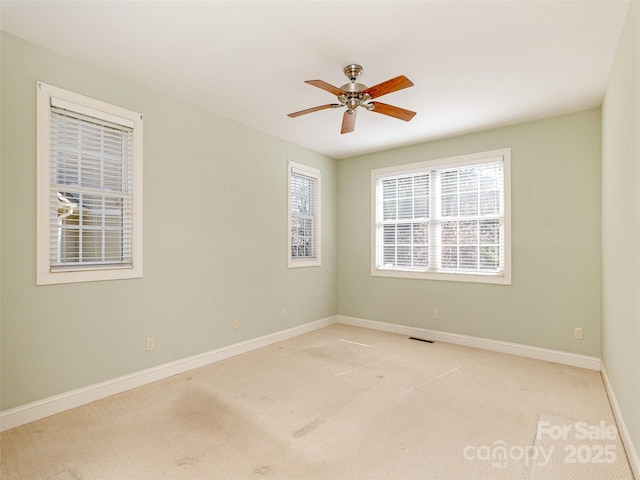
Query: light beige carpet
[338,403]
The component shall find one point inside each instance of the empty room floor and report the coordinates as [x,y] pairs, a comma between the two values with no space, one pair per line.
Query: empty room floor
[338,403]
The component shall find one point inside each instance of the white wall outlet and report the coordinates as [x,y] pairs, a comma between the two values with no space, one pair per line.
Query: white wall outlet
[151,343]
[577,333]
[235,323]
[283,313]
[436,314]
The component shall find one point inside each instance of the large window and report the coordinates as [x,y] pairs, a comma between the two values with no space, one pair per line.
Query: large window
[447,219]
[304,216]
[89,189]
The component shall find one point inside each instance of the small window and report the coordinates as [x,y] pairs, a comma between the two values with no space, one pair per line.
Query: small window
[446,220]
[304,216]
[89,189]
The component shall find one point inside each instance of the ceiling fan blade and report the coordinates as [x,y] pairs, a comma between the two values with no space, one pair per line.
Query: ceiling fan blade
[393,111]
[313,109]
[348,121]
[393,85]
[326,86]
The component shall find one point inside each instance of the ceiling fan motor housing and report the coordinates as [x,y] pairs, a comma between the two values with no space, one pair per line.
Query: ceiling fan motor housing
[353,87]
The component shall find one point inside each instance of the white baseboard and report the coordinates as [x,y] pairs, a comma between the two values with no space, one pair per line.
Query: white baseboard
[59,403]
[49,406]
[556,356]
[632,453]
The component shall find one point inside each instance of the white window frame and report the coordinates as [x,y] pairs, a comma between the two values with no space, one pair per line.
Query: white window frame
[45,275]
[316,260]
[503,278]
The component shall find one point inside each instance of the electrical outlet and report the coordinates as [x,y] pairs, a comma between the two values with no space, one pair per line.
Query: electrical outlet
[235,323]
[283,313]
[151,343]
[577,333]
[436,314]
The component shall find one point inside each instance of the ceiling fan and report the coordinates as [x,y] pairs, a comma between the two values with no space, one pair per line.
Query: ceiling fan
[353,95]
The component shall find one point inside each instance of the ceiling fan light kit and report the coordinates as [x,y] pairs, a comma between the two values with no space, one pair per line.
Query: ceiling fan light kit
[353,95]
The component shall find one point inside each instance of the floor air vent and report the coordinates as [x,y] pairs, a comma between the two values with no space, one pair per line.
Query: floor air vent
[421,340]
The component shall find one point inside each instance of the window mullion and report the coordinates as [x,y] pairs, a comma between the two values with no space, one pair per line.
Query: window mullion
[435,227]
[396,242]
[457,219]
[412,223]
[477,243]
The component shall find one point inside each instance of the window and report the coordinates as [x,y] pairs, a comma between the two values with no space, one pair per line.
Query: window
[89,189]
[304,216]
[445,220]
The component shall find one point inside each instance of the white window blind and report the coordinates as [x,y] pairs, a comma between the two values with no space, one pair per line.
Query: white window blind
[91,191]
[304,215]
[404,226]
[446,219]
[470,226]
[89,185]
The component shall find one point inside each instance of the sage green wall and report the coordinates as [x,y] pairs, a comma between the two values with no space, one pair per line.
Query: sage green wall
[621,226]
[215,203]
[556,276]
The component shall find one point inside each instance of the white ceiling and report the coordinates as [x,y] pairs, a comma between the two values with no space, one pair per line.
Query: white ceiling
[475,64]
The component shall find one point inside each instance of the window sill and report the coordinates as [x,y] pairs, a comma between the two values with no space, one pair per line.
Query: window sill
[447,277]
[79,276]
[304,263]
